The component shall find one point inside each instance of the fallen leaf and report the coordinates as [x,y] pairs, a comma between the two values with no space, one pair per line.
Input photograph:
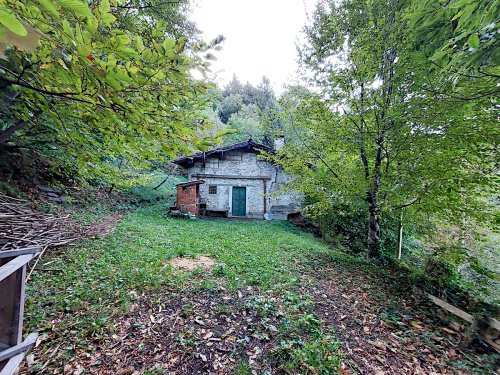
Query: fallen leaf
[379,344]
[450,331]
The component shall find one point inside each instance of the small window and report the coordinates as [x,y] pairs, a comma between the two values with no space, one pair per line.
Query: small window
[212,189]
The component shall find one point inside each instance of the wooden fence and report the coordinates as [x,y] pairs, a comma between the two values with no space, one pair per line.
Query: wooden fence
[488,330]
[13,264]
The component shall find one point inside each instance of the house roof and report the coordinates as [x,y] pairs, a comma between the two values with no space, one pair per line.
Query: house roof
[189,183]
[247,146]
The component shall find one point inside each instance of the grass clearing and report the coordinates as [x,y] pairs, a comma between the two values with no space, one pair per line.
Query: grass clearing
[97,280]
[277,300]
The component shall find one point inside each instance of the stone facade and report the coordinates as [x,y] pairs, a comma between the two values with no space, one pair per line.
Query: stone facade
[262,182]
[236,181]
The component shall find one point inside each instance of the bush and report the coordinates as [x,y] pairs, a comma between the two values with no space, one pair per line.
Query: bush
[347,227]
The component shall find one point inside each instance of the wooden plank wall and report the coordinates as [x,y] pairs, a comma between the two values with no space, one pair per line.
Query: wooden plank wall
[13,264]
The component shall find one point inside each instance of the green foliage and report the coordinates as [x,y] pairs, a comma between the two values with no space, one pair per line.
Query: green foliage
[249,111]
[304,344]
[145,192]
[230,105]
[363,141]
[243,368]
[322,354]
[458,36]
[99,90]
[247,122]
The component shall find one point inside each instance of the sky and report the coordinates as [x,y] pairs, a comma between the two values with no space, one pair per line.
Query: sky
[261,37]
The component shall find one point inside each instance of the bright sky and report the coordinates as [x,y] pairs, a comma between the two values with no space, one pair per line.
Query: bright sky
[261,37]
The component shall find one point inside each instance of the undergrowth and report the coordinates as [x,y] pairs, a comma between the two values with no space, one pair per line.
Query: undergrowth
[79,294]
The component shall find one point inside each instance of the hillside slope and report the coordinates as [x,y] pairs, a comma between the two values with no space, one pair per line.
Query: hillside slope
[267,298]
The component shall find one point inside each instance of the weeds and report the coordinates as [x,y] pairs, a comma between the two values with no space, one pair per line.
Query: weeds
[98,279]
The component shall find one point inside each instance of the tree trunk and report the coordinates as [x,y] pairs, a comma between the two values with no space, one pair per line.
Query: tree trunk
[373,226]
[400,236]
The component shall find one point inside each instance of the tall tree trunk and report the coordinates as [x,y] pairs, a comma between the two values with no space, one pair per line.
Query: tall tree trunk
[400,236]
[373,226]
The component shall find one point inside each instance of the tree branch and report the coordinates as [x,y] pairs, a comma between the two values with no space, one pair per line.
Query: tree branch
[4,136]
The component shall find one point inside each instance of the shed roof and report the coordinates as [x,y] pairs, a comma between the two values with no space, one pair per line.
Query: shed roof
[246,146]
[197,182]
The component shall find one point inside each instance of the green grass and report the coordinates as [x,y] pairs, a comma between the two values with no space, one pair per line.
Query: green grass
[85,290]
[110,272]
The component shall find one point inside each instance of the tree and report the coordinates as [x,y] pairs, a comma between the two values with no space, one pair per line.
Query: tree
[233,88]
[231,104]
[248,124]
[365,140]
[98,82]
[264,95]
[459,43]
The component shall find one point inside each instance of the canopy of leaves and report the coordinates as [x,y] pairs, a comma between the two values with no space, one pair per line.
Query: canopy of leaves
[250,110]
[377,135]
[97,85]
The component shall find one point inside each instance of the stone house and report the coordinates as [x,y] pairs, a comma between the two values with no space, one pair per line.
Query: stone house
[235,181]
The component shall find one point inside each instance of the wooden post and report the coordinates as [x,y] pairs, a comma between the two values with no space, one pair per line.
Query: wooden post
[490,333]
[400,236]
[265,195]
[13,264]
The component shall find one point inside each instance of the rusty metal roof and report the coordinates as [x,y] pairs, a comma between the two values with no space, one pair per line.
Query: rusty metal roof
[247,146]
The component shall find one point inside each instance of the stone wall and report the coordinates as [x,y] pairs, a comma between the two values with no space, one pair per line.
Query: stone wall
[237,169]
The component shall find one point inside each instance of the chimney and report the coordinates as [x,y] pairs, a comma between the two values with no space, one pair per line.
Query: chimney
[279,142]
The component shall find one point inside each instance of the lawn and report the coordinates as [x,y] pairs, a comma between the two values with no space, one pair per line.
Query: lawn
[277,300]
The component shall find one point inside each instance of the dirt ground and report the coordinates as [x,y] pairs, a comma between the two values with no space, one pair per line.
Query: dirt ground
[189,264]
[196,331]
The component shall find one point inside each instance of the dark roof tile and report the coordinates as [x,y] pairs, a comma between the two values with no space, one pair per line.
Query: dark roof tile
[246,146]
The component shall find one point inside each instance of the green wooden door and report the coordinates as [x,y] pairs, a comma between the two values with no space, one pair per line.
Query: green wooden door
[239,201]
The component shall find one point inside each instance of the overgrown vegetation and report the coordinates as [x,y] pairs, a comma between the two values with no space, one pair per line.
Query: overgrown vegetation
[120,289]
[396,146]
[100,90]
[99,280]
[393,140]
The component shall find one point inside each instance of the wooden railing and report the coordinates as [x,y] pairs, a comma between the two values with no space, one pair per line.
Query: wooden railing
[489,331]
[13,264]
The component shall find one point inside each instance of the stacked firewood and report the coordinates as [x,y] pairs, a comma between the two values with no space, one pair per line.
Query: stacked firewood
[21,226]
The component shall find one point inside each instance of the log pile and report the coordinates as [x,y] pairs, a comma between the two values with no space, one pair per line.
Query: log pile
[20,226]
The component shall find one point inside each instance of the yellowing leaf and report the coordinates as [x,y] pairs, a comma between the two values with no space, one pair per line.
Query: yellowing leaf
[220,133]
[415,324]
